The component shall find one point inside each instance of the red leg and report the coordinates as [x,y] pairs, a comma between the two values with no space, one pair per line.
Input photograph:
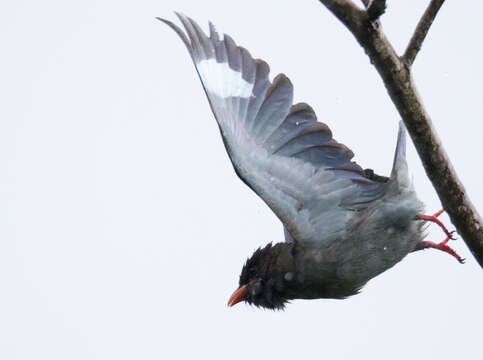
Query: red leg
[438,213]
[443,247]
[434,219]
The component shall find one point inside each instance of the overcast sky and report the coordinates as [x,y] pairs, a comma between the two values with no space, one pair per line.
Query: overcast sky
[123,227]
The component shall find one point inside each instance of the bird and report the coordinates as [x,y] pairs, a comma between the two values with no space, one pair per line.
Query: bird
[343,225]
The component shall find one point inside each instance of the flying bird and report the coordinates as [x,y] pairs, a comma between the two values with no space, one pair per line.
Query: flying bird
[343,225]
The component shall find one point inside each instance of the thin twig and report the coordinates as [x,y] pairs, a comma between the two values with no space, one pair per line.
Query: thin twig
[421,31]
[376,9]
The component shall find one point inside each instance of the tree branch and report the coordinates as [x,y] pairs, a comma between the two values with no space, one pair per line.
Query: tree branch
[376,9]
[421,31]
[347,12]
[396,75]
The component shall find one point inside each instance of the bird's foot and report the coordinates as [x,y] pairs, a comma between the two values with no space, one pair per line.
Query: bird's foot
[443,246]
[434,219]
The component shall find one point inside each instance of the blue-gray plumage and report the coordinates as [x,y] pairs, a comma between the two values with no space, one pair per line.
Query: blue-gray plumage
[343,225]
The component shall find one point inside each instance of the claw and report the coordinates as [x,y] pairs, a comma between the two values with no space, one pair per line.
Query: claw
[443,247]
[434,219]
[453,237]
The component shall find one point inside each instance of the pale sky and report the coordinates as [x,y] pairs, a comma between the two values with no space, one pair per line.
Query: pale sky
[123,227]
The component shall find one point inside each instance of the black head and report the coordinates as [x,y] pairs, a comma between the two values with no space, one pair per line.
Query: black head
[264,278]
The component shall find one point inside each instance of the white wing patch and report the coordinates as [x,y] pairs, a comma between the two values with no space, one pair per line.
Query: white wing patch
[222,80]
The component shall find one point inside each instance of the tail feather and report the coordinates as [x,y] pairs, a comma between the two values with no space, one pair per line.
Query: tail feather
[399,171]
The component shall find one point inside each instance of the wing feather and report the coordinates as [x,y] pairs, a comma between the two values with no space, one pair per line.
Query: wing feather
[278,149]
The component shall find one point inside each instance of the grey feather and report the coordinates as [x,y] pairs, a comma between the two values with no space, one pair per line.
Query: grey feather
[275,108]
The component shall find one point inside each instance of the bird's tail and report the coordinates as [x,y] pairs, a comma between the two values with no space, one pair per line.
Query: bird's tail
[399,171]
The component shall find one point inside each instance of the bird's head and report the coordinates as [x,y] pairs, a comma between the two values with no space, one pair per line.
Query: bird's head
[264,278]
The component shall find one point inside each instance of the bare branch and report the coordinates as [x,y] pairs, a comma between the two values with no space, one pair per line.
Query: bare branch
[366,2]
[421,31]
[376,9]
[396,76]
[347,12]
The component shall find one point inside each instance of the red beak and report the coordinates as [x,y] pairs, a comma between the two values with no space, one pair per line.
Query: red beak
[238,295]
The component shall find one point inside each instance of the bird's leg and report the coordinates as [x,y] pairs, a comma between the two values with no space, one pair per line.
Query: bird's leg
[434,218]
[436,214]
[443,246]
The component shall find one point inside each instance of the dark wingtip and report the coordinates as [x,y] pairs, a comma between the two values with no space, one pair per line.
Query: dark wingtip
[166,21]
[180,15]
[177,29]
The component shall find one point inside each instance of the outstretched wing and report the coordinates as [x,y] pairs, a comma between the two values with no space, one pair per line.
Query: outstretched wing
[278,149]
